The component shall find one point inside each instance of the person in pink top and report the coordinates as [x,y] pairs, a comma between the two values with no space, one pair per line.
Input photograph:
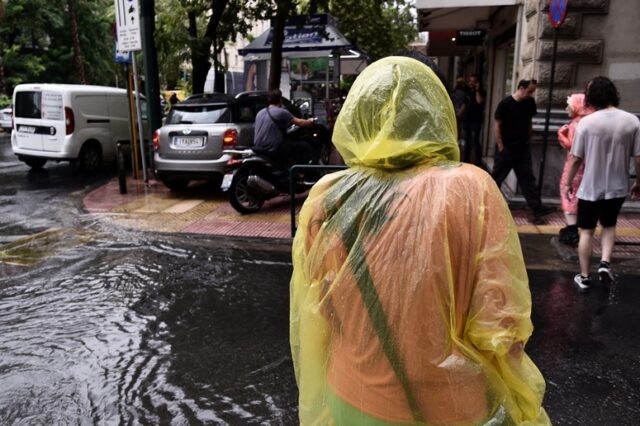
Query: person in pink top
[576,109]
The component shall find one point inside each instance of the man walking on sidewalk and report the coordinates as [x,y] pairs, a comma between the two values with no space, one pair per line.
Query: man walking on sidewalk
[513,129]
[604,141]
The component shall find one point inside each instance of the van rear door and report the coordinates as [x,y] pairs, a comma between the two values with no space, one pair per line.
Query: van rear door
[27,109]
[53,120]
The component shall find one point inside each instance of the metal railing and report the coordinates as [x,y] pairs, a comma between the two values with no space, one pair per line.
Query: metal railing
[292,186]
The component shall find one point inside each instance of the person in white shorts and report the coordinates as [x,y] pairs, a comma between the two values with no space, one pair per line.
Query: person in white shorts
[604,141]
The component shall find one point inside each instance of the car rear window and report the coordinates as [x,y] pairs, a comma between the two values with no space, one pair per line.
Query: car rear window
[199,114]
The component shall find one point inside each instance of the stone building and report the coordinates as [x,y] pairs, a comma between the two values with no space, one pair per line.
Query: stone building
[598,37]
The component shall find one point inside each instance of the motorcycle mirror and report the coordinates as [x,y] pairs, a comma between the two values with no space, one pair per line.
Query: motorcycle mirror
[305,109]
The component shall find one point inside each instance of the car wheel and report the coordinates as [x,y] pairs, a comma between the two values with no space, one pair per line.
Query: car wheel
[242,198]
[90,157]
[35,163]
[176,185]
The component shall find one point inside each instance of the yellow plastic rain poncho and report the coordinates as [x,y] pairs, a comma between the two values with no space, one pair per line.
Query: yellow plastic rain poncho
[409,297]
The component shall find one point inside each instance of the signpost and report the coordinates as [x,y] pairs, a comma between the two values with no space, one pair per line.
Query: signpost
[557,15]
[128,39]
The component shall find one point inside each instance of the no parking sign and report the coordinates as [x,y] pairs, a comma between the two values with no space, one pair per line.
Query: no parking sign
[557,12]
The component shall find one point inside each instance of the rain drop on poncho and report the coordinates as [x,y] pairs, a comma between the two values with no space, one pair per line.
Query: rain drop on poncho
[409,297]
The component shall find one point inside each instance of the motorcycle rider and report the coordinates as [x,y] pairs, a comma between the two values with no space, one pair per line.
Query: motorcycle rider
[271,129]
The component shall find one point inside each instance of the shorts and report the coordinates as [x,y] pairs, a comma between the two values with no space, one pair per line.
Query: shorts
[605,211]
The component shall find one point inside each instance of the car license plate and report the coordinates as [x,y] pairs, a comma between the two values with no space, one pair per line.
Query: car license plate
[188,141]
[27,129]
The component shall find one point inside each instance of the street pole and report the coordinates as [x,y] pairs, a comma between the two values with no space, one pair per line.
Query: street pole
[545,136]
[140,129]
[147,19]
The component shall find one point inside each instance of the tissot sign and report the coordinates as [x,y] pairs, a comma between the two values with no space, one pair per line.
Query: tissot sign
[470,37]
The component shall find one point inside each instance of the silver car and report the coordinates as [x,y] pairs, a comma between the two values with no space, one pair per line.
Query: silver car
[189,145]
[6,121]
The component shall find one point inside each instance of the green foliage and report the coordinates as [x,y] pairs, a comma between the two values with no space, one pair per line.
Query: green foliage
[4,100]
[35,35]
[377,27]
[35,42]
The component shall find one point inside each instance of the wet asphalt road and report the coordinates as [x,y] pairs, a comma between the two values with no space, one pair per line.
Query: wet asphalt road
[103,325]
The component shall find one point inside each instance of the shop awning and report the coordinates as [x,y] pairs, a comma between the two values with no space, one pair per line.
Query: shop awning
[452,15]
[300,42]
[444,19]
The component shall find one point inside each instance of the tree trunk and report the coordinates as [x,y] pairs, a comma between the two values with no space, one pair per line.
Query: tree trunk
[200,49]
[3,87]
[75,41]
[277,41]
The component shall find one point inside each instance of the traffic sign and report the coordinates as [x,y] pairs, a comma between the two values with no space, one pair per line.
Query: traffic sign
[128,25]
[557,12]
[119,56]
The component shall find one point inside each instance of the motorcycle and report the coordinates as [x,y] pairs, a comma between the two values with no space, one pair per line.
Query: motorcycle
[258,177]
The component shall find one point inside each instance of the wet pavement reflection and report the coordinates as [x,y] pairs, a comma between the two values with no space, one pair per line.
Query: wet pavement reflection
[587,347]
[123,329]
[103,325]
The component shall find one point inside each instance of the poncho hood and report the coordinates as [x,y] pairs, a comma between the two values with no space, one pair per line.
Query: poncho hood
[397,114]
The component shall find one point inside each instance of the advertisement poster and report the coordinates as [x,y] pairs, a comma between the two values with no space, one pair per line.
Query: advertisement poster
[308,68]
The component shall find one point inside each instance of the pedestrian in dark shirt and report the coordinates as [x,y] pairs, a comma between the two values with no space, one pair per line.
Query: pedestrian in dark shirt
[513,129]
[472,121]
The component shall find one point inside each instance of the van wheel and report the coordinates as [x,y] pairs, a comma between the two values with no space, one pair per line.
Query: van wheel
[35,163]
[90,158]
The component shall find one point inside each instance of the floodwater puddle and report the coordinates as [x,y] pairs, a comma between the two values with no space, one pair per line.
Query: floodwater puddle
[31,249]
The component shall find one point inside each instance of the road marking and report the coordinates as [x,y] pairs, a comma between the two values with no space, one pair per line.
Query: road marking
[183,206]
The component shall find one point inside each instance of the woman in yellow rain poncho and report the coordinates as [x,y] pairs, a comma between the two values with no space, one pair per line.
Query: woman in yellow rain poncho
[409,297]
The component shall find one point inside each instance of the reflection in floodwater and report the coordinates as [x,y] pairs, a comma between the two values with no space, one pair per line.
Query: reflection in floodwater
[586,346]
[118,329]
[42,245]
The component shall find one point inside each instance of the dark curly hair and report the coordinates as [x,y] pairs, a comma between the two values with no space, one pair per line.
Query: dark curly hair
[274,97]
[601,93]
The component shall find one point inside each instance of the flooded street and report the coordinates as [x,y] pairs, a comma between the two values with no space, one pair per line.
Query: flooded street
[122,329]
[100,325]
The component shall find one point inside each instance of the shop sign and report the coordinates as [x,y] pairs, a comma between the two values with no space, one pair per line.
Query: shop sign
[314,35]
[470,37]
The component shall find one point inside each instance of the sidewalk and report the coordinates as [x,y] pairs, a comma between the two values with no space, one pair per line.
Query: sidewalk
[200,210]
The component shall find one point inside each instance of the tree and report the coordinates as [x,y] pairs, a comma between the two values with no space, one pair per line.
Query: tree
[75,41]
[36,43]
[283,11]
[378,27]
[202,27]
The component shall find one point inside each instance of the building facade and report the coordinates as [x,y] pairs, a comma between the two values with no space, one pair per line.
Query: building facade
[598,37]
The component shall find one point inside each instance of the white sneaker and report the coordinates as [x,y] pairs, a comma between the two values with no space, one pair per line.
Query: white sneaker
[583,283]
[604,271]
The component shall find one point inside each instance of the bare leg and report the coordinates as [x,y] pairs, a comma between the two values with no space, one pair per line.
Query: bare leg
[607,239]
[584,250]
[570,218]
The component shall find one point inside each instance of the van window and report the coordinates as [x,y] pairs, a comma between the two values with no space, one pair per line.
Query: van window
[28,104]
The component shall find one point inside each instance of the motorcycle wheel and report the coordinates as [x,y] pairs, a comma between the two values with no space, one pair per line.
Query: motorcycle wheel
[242,198]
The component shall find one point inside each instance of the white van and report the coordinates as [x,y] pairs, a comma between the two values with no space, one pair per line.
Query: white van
[68,122]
